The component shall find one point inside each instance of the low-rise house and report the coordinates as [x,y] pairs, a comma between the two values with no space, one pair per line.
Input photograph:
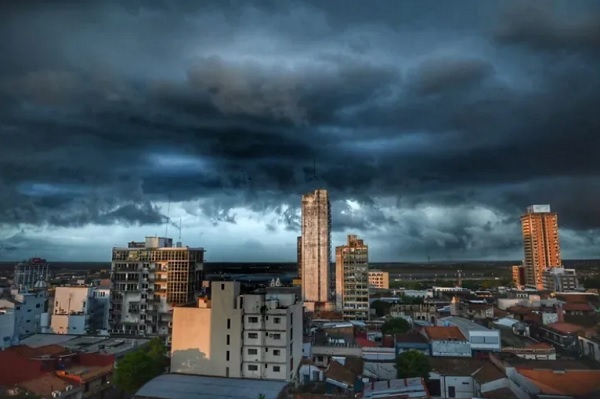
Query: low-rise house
[412,341]
[413,388]
[447,341]
[483,340]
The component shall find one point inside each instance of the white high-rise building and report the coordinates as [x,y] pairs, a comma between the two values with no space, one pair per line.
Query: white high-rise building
[318,282]
[256,335]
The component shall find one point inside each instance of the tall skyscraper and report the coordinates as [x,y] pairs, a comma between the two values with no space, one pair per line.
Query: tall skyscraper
[317,281]
[540,243]
[352,279]
[150,278]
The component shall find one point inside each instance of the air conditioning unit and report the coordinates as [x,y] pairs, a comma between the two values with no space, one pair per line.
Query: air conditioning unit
[56,394]
[68,387]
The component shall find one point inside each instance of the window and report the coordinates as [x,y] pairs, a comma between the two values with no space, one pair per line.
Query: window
[276,352]
[228,324]
[227,355]
[276,336]
[253,351]
[451,392]
[252,335]
[38,305]
[252,367]
[277,320]
[276,369]
[252,319]
[228,339]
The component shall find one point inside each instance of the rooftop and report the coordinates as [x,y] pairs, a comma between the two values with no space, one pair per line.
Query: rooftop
[180,386]
[566,328]
[465,325]
[568,382]
[45,385]
[456,366]
[87,344]
[409,387]
[437,333]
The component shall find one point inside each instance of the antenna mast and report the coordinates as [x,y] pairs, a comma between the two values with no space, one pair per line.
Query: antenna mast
[168,217]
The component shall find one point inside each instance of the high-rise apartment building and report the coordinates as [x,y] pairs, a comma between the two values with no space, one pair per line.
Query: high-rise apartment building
[541,244]
[379,279]
[31,274]
[257,335]
[150,278]
[352,279]
[318,285]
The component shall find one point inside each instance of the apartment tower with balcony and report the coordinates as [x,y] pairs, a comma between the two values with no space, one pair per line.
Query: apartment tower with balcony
[540,242]
[352,279]
[148,280]
[318,283]
[257,335]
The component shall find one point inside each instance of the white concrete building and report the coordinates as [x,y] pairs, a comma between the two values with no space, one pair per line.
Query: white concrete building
[482,339]
[318,283]
[80,310]
[559,279]
[28,309]
[7,328]
[255,335]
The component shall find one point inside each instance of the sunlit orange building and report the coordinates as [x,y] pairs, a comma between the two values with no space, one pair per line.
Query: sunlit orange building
[540,242]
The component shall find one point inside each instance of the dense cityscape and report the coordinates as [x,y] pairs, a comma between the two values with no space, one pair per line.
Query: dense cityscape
[153,325]
[307,199]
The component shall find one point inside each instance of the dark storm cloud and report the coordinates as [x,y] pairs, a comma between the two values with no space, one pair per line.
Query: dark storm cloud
[107,108]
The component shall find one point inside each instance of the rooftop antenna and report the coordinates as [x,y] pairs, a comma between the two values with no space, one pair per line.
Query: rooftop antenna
[178,244]
[168,217]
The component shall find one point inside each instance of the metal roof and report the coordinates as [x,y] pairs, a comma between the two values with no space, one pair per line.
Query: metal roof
[182,386]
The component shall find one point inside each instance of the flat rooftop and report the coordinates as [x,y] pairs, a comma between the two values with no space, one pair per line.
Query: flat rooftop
[181,386]
[464,324]
[87,344]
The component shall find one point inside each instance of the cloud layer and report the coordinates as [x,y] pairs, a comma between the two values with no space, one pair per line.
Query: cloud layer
[433,127]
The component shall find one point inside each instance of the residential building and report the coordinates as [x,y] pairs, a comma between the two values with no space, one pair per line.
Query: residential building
[518,276]
[318,284]
[379,279]
[352,279]
[79,310]
[540,242]
[447,341]
[7,328]
[256,335]
[481,339]
[27,310]
[559,279]
[150,278]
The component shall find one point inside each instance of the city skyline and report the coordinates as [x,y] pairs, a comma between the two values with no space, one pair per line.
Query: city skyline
[432,127]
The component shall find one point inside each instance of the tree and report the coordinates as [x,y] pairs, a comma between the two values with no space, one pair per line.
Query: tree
[411,364]
[395,326]
[262,396]
[140,366]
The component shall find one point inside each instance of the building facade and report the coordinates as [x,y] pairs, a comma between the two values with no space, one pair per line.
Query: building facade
[150,278]
[318,285]
[31,274]
[299,256]
[540,242]
[79,310]
[256,335]
[559,279]
[379,279]
[26,311]
[352,279]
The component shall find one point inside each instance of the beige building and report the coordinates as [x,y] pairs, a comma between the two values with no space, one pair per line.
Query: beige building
[148,279]
[80,310]
[352,279]
[518,275]
[256,335]
[317,283]
[540,242]
[379,279]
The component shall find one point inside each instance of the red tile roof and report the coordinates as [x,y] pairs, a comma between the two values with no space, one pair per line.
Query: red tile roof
[540,345]
[578,307]
[566,328]
[438,333]
[365,343]
[569,382]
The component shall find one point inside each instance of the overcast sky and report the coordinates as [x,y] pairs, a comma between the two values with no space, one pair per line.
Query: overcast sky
[432,124]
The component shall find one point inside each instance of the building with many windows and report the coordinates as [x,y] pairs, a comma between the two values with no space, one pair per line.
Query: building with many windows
[79,310]
[540,243]
[318,284]
[559,279]
[150,278]
[379,279]
[256,335]
[352,279]
[25,313]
